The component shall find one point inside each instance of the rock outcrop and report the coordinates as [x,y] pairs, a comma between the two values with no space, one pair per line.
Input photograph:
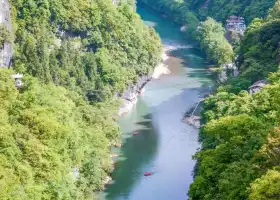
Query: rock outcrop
[227,70]
[6,51]
[130,96]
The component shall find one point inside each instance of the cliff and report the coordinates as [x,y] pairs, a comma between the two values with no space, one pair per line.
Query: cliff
[6,50]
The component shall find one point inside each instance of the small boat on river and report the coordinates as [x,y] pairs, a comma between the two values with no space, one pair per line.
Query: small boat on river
[135,133]
[147,174]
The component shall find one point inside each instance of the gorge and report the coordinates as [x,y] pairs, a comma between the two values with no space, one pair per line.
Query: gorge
[165,144]
[79,104]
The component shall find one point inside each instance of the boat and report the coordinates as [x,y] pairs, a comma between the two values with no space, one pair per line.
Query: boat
[147,174]
[135,133]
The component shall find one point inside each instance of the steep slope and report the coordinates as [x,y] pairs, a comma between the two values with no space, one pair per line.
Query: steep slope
[239,158]
[83,45]
[249,9]
[218,10]
[57,130]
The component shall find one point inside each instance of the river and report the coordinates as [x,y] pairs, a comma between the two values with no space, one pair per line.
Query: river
[165,144]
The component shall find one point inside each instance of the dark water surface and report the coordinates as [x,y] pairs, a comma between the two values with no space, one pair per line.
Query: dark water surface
[165,145]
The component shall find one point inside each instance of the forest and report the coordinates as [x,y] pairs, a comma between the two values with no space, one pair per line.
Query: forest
[58,129]
[77,55]
[186,10]
[84,46]
[239,157]
[210,33]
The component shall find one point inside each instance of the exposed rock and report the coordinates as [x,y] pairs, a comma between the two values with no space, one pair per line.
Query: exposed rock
[75,173]
[229,69]
[107,180]
[257,86]
[6,51]
[183,28]
[130,96]
[193,121]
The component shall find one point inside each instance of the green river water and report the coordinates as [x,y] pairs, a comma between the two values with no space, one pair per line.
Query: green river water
[165,144]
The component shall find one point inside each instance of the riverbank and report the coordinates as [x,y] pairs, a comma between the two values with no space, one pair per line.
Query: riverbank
[130,96]
[165,144]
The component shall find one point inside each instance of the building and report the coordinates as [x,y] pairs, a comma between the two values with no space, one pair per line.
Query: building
[6,50]
[18,81]
[235,23]
[257,86]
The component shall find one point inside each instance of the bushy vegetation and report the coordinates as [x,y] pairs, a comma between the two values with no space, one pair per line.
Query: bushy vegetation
[212,40]
[239,145]
[240,157]
[5,35]
[86,46]
[259,51]
[221,9]
[217,9]
[58,129]
[48,132]
[178,10]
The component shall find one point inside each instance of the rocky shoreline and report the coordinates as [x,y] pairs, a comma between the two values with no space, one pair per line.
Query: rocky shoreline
[130,97]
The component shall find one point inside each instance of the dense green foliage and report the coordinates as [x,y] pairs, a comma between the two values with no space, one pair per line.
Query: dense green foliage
[221,9]
[5,34]
[58,129]
[189,11]
[212,40]
[46,132]
[238,146]
[178,10]
[240,158]
[86,46]
[259,51]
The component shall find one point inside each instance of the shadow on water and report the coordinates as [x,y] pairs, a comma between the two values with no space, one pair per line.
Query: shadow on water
[163,137]
[138,151]
[194,60]
[192,57]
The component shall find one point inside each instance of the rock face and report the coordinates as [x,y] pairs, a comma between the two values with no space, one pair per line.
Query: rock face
[6,51]
[227,69]
[183,28]
[130,96]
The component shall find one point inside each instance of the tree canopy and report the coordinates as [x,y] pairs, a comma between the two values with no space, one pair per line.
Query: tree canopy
[240,157]
[5,34]
[212,40]
[48,132]
[86,46]
[58,129]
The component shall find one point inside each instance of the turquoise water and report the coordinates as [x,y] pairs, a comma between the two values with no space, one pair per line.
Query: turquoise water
[165,144]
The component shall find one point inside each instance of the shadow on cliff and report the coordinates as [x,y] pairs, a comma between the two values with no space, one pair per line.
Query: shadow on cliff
[138,151]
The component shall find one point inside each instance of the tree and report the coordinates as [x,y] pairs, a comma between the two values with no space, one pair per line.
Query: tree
[5,34]
[212,40]
[267,187]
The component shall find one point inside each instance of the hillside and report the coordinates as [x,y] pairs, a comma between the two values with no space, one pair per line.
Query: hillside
[57,130]
[239,158]
[83,46]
